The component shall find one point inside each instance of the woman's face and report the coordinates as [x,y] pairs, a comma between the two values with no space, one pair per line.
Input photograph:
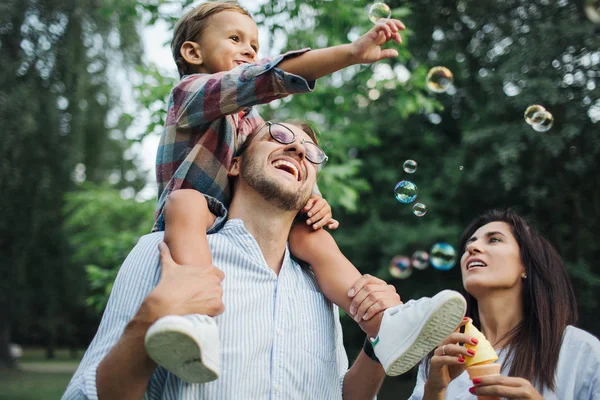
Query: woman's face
[492,260]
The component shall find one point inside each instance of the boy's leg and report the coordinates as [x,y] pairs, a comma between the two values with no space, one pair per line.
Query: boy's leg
[335,274]
[404,334]
[187,219]
[187,346]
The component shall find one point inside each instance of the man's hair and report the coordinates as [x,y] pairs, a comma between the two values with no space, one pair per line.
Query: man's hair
[191,26]
[312,134]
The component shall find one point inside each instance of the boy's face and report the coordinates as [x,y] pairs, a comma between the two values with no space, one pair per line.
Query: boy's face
[229,39]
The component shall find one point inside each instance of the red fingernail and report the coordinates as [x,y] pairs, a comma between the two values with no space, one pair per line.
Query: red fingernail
[474,341]
[461,360]
[472,390]
[476,381]
[465,318]
[471,352]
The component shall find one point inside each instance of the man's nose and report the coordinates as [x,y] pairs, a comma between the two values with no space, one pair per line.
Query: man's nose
[297,147]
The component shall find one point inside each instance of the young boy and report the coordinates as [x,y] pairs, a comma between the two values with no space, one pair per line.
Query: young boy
[209,117]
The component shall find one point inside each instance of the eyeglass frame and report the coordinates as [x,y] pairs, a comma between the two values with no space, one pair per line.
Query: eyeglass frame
[302,142]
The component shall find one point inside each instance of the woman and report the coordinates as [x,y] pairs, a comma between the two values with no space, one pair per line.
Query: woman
[520,297]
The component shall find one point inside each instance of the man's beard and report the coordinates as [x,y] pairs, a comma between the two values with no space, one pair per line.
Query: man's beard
[256,177]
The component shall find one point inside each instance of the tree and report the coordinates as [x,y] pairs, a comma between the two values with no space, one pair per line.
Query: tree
[57,99]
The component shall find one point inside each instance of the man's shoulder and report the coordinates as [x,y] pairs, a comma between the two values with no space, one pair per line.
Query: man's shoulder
[147,245]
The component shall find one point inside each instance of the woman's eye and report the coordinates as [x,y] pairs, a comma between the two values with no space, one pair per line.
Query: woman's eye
[494,240]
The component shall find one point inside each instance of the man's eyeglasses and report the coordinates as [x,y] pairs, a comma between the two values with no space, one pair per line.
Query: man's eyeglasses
[284,135]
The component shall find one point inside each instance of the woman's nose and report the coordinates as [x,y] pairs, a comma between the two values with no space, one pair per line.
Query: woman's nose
[473,248]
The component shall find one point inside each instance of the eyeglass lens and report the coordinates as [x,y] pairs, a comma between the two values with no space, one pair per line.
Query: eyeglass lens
[285,136]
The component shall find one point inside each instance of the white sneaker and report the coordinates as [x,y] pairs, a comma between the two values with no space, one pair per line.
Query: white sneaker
[409,331]
[187,346]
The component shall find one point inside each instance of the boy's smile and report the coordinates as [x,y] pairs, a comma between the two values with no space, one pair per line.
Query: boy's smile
[229,40]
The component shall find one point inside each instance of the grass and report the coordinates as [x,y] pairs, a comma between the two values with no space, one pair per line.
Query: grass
[25,384]
[48,384]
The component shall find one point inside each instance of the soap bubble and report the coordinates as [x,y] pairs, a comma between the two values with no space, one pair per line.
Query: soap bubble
[419,209]
[461,168]
[439,79]
[443,256]
[405,192]
[400,267]
[592,10]
[410,166]
[420,259]
[531,111]
[378,11]
[543,121]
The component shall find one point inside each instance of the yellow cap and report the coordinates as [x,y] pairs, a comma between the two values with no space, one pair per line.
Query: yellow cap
[484,352]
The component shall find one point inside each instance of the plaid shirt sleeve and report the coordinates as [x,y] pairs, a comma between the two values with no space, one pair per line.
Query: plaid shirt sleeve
[202,98]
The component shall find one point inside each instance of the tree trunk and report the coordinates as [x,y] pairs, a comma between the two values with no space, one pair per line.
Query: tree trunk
[6,359]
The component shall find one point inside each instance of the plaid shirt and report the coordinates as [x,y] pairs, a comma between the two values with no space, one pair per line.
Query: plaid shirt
[209,117]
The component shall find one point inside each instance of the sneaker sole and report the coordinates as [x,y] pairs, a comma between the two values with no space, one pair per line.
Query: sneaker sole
[442,322]
[175,350]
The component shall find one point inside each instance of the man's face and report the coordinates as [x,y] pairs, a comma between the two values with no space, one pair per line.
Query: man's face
[280,173]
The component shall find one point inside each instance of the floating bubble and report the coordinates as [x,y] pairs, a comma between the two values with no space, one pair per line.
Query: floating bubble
[439,79]
[410,166]
[531,111]
[592,10]
[405,192]
[442,256]
[543,121]
[378,11]
[420,260]
[400,267]
[419,209]
[461,168]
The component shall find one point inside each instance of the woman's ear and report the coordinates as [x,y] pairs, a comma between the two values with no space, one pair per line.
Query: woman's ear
[234,170]
[190,51]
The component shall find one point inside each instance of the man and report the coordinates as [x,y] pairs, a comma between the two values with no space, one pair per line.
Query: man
[280,337]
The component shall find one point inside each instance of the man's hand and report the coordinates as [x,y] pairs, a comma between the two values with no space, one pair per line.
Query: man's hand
[185,289]
[319,214]
[506,387]
[371,296]
[367,48]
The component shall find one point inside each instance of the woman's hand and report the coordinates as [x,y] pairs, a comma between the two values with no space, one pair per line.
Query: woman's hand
[506,387]
[448,361]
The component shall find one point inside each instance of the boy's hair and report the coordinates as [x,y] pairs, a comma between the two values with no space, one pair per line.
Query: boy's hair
[191,26]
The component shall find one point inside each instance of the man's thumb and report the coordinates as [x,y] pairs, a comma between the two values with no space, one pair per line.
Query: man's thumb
[165,255]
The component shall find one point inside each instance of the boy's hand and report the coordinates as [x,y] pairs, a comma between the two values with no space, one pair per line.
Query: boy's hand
[319,213]
[367,48]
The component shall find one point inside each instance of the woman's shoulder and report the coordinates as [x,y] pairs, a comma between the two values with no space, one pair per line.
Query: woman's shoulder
[578,337]
[581,346]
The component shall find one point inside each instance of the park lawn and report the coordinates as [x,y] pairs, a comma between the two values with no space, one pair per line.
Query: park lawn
[38,378]
[24,385]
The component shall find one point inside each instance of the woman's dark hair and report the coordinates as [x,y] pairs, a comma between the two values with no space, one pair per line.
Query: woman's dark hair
[549,303]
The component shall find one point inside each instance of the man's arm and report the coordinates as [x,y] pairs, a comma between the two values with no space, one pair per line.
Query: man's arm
[364,379]
[116,365]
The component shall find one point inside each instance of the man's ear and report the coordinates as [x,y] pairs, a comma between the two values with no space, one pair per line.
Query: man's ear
[190,51]
[234,170]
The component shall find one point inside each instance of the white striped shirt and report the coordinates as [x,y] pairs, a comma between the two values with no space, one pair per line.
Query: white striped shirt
[280,337]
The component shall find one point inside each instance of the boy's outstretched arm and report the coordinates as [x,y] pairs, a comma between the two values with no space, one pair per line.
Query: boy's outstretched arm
[367,49]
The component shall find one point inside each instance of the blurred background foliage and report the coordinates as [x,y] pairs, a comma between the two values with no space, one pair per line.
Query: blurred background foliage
[69,180]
